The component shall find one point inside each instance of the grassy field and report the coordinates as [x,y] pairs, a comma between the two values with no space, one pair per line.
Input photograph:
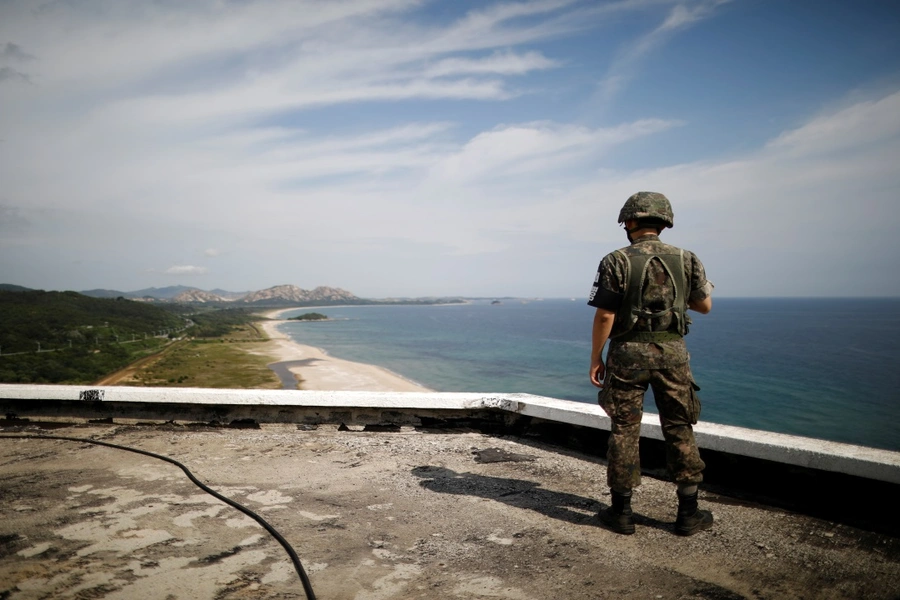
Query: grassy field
[231,361]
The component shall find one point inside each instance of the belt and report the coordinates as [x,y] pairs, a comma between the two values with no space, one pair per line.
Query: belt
[649,336]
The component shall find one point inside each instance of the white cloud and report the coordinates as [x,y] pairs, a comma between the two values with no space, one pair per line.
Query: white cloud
[513,150]
[126,40]
[139,95]
[682,16]
[799,216]
[185,270]
[861,124]
[132,61]
[492,26]
[506,187]
[269,135]
[504,63]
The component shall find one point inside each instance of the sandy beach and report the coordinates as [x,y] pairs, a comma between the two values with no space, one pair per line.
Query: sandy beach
[320,371]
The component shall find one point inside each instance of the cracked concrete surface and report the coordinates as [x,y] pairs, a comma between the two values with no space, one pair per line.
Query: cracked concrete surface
[401,515]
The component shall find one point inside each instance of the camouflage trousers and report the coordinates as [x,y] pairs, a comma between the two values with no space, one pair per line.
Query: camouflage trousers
[675,393]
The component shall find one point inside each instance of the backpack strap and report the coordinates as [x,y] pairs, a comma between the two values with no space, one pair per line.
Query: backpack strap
[629,311]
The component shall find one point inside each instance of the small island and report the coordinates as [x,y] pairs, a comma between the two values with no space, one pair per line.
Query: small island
[313,316]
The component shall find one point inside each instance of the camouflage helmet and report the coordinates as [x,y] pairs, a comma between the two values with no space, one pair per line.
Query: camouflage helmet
[647,205]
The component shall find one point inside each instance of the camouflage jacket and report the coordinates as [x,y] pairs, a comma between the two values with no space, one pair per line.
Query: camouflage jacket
[658,295]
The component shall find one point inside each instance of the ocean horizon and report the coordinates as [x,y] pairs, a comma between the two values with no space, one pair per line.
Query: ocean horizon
[816,367]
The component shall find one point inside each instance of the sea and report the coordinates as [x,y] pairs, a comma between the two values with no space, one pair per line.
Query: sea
[820,368]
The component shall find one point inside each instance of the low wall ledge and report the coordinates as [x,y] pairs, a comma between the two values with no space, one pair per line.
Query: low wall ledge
[873,463]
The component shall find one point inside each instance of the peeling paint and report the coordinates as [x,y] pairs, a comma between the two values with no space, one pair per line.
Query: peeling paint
[187,519]
[315,517]
[269,497]
[35,550]
[499,540]
[174,579]
[392,584]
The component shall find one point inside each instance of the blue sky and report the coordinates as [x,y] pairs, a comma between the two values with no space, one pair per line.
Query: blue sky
[416,148]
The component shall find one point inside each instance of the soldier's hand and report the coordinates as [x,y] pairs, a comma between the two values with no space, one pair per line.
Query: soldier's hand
[597,373]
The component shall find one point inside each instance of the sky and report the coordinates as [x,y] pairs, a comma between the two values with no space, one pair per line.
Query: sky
[436,147]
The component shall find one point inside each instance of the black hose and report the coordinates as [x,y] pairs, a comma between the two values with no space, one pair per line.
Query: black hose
[307,586]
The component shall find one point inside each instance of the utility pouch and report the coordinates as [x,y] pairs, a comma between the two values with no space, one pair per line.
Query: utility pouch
[694,405]
[604,392]
[607,396]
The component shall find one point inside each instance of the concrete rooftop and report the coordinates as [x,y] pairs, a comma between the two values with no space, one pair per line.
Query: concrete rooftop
[406,512]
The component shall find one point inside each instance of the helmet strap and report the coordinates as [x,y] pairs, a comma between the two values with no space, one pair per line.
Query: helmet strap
[628,232]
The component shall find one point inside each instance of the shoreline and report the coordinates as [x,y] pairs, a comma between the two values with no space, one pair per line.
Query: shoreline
[320,371]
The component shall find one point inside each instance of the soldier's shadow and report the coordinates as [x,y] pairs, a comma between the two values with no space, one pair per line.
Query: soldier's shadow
[520,493]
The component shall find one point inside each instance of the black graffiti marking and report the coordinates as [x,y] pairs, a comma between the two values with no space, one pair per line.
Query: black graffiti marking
[91,395]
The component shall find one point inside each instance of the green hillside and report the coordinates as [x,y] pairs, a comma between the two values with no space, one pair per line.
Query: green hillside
[56,337]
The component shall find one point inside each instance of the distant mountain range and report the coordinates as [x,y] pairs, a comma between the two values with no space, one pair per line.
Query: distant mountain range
[273,296]
[280,294]
[190,295]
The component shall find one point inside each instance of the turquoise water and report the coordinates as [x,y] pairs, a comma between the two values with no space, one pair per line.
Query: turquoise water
[824,368]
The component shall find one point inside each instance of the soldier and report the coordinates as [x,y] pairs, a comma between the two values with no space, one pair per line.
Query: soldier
[642,293]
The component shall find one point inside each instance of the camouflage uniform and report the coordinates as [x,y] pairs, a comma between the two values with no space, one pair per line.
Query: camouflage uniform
[632,366]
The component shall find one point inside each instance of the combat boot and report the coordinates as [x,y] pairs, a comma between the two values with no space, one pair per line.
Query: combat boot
[690,518]
[619,517]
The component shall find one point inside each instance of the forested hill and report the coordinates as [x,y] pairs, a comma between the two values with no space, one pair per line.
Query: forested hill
[56,319]
[67,337]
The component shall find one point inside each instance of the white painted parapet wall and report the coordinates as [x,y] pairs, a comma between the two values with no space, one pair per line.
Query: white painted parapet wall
[860,461]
